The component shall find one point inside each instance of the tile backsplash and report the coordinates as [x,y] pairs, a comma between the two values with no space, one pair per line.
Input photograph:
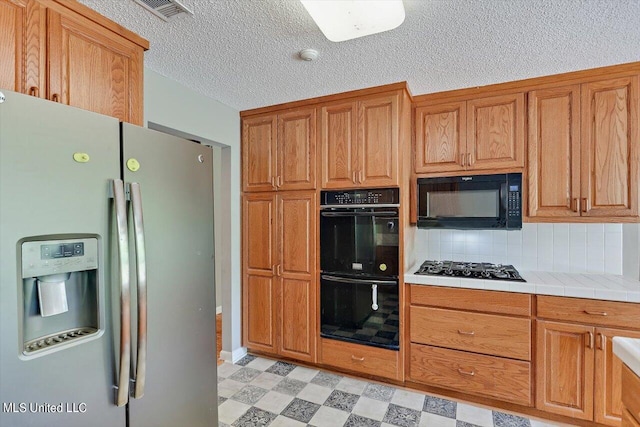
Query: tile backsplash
[574,248]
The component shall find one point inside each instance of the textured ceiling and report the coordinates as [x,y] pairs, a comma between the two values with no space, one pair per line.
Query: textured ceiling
[243,53]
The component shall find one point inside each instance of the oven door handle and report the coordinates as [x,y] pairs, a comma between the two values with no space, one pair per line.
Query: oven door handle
[343,214]
[357,281]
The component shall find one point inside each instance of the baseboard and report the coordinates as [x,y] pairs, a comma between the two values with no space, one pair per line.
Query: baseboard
[219,309]
[233,356]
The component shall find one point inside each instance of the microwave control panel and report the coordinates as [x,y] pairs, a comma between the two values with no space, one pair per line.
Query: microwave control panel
[373,196]
[514,199]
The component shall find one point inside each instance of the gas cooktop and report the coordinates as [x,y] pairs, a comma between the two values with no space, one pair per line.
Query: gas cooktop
[474,270]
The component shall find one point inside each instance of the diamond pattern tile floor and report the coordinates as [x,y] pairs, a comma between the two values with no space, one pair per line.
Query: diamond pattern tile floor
[257,391]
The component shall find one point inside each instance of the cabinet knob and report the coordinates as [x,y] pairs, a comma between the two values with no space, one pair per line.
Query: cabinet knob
[55,97]
[34,91]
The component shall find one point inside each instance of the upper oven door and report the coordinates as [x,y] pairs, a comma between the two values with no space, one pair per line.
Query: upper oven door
[359,241]
[478,201]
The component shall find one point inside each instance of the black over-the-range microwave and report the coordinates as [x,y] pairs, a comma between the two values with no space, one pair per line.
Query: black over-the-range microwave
[471,202]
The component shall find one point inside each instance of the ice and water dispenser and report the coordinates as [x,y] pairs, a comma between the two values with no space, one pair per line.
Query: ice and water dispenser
[60,292]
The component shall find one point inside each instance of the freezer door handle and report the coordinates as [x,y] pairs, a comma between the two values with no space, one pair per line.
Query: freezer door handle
[141,269]
[122,388]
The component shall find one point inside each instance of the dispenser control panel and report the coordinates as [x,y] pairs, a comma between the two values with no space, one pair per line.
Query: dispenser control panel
[41,258]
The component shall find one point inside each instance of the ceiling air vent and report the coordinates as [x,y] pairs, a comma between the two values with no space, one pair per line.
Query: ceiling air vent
[165,9]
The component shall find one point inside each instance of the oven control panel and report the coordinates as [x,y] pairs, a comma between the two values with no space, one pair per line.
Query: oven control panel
[371,196]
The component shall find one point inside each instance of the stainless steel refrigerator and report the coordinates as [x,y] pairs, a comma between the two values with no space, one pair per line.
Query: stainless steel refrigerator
[107,311]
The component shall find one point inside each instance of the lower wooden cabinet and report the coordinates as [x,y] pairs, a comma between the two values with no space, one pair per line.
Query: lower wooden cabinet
[472,341]
[279,274]
[630,397]
[363,359]
[577,374]
[495,377]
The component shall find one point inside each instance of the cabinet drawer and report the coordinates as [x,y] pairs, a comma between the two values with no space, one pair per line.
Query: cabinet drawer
[480,333]
[593,312]
[489,376]
[360,358]
[472,299]
[631,392]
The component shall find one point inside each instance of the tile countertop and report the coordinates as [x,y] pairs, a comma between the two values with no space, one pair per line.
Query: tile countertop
[595,286]
[628,350]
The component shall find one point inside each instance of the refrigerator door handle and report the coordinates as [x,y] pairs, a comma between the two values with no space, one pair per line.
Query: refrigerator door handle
[122,388]
[141,269]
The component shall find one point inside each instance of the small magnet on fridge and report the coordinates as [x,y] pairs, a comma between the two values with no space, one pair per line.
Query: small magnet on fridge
[133,165]
[81,157]
[383,267]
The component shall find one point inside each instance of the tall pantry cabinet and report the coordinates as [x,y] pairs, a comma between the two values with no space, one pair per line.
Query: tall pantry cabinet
[279,226]
[65,52]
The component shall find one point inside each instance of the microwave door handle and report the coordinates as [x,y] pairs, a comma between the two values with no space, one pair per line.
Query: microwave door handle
[359,281]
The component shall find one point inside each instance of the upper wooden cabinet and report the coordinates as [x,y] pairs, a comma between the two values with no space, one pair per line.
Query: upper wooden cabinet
[477,134]
[583,150]
[279,151]
[360,142]
[65,52]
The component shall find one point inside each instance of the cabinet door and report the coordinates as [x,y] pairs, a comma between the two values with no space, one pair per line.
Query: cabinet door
[441,132]
[93,68]
[296,152]
[565,364]
[259,288]
[378,126]
[22,44]
[610,177]
[495,132]
[338,144]
[608,381]
[297,274]
[259,153]
[554,152]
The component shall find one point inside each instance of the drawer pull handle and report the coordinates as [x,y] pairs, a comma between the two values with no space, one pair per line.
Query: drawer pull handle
[469,373]
[357,359]
[470,333]
[596,313]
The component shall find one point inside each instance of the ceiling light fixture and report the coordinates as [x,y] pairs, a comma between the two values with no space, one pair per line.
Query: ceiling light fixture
[341,20]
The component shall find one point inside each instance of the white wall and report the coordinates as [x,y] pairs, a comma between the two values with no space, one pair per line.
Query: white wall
[177,109]
[577,248]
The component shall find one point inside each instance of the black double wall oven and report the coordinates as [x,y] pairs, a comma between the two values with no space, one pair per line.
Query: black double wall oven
[359,266]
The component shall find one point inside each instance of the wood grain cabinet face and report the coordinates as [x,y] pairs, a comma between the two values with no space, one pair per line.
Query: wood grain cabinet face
[279,151]
[477,134]
[279,280]
[259,281]
[94,69]
[610,176]
[54,52]
[441,132]
[360,142]
[495,129]
[608,386]
[22,31]
[631,396]
[583,150]
[296,274]
[296,150]
[565,368]
[259,153]
[554,152]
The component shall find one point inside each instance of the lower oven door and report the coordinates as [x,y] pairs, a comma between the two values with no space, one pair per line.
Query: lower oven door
[362,311]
